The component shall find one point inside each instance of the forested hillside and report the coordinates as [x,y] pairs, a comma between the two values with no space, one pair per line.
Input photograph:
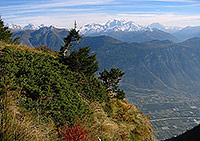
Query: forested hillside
[45,96]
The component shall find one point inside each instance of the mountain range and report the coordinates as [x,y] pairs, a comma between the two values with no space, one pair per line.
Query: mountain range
[53,37]
[188,32]
[14,27]
[46,36]
[124,26]
[109,26]
[133,32]
[165,64]
[156,66]
[122,30]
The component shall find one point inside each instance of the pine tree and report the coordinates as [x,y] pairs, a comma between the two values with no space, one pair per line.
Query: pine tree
[81,61]
[78,60]
[6,35]
[111,81]
[71,40]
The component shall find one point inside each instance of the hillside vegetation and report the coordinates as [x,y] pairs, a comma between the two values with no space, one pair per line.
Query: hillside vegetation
[42,98]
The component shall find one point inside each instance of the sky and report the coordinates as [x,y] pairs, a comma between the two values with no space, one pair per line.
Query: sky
[62,13]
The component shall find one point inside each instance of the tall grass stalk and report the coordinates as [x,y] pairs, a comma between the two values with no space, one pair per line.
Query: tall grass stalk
[18,124]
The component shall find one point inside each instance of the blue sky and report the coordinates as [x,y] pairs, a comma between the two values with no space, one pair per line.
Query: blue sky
[62,13]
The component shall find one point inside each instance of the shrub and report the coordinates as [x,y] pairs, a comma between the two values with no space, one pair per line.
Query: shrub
[48,87]
[75,133]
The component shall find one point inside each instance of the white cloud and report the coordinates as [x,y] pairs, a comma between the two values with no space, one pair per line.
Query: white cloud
[52,10]
[66,21]
[64,12]
[56,4]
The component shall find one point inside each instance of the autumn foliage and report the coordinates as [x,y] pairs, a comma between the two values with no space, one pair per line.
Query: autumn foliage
[75,133]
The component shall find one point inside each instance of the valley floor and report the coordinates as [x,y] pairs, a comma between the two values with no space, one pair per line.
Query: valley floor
[171,115]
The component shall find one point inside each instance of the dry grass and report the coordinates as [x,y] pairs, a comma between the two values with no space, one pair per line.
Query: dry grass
[17,124]
[132,125]
[22,48]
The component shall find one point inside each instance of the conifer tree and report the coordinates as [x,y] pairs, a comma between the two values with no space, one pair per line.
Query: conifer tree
[81,61]
[71,40]
[111,81]
[6,35]
[78,60]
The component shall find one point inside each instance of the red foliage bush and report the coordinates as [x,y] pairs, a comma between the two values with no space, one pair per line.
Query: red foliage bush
[123,135]
[75,133]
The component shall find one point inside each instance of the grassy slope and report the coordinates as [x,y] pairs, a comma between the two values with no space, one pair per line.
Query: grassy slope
[46,93]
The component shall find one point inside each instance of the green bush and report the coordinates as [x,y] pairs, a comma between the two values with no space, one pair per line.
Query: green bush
[48,87]
[111,81]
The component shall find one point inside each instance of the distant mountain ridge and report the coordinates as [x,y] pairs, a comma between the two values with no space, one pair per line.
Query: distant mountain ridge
[109,26]
[46,36]
[144,55]
[112,26]
[128,31]
[162,66]
[188,32]
[139,36]
[124,26]
[169,29]
[53,37]
[30,26]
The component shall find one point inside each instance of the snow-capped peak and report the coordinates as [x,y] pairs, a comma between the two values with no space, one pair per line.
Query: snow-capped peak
[169,29]
[14,27]
[115,22]
[30,27]
[112,25]
[157,25]
[41,26]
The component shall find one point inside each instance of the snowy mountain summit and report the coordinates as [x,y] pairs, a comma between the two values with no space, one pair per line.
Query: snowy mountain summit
[14,27]
[170,29]
[122,25]
[30,27]
[112,26]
